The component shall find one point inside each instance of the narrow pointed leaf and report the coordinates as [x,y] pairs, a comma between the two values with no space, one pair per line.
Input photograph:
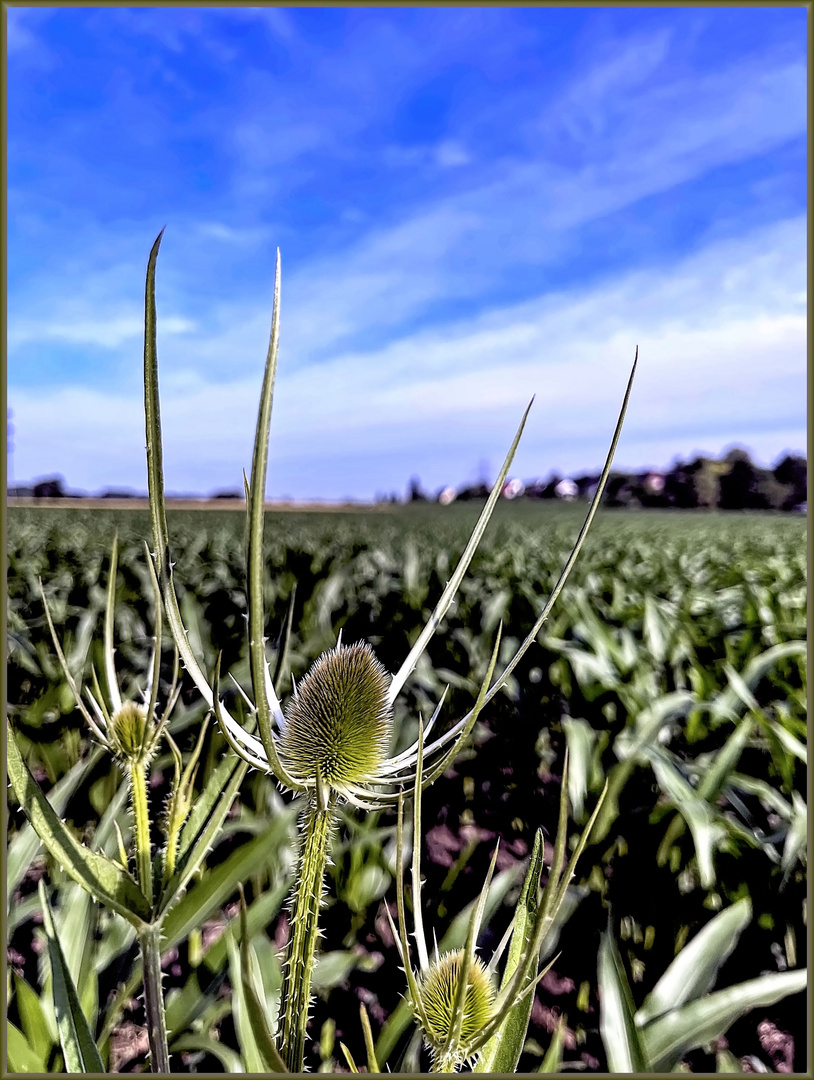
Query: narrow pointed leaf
[700,1022]
[699,815]
[502,1052]
[693,971]
[195,852]
[729,704]
[34,1020]
[372,1063]
[580,737]
[256,1018]
[620,1036]
[552,1062]
[113,693]
[219,883]
[724,762]
[20,1055]
[256,512]
[26,843]
[249,1052]
[95,872]
[78,1048]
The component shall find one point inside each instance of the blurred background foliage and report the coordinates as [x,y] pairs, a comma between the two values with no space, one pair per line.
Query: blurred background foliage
[673,665]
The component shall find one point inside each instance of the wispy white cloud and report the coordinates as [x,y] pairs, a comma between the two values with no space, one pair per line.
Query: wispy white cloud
[104,333]
[722,343]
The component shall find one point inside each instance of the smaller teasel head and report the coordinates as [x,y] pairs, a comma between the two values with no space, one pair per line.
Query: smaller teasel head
[449,1036]
[132,733]
[337,723]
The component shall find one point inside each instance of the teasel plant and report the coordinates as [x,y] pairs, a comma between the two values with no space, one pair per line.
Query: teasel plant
[131,732]
[330,744]
[464,1016]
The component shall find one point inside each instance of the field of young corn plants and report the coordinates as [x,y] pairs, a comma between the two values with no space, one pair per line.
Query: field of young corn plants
[237,842]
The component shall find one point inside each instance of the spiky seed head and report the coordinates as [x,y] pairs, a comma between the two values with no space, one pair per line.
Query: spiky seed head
[438,988]
[131,732]
[338,724]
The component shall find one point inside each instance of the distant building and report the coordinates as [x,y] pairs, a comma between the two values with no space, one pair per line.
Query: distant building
[654,483]
[52,488]
[566,489]
[513,489]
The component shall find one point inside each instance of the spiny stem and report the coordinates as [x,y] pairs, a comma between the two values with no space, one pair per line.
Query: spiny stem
[317,826]
[150,942]
[141,816]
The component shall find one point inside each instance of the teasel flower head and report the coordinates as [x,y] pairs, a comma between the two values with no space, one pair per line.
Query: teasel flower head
[338,722]
[372,780]
[439,988]
[132,732]
[129,729]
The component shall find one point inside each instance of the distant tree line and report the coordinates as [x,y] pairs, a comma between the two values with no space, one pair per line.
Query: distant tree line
[733,483]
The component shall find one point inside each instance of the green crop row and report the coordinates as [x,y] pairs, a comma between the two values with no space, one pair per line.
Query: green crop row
[672,667]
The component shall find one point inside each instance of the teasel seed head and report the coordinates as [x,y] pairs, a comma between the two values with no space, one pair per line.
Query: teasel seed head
[438,988]
[132,733]
[337,725]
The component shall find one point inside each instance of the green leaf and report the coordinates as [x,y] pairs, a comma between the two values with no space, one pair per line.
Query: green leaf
[712,782]
[198,837]
[700,1022]
[552,1062]
[227,1057]
[221,882]
[699,815]
[21,1057]
[78,1048]
[796,836]
[101,877]
[726,1062]
[36,1023]
[204,804]
[790,742]
[580,737]
[76,919]
[622,1041]
[693,971]
[729,704]
[249,1051]
[502,1052]
[253,996]
[26,843]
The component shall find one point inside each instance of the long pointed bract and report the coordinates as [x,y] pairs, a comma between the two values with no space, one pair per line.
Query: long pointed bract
[583,532]
[261,682]
[452,585]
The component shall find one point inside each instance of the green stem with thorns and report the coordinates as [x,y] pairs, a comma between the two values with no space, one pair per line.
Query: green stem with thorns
[150,943]
[137,771]
[317,827]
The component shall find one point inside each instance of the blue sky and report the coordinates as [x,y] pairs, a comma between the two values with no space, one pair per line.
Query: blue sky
[473,205]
